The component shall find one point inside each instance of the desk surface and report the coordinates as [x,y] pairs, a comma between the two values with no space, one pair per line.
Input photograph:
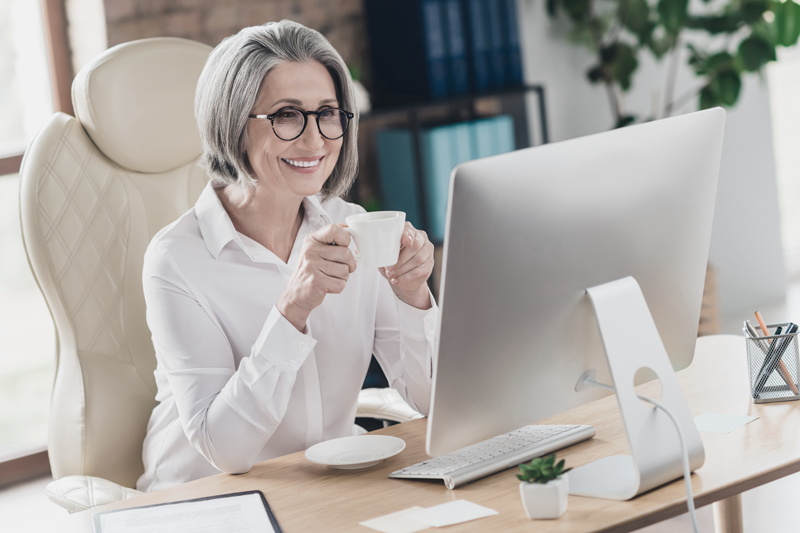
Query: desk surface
[310,497]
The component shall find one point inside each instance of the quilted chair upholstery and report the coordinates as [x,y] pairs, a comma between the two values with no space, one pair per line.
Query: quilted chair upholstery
[95,188]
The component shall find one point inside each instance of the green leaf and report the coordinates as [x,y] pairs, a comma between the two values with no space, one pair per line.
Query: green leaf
[787,23]
[714,24]
[752,10]
[727,86]
[708,99]
[672,15]
[625,120]
[717,63]
[624,65]
[577,9]
[660,46]
[635,15]
[596,74]
[754,52]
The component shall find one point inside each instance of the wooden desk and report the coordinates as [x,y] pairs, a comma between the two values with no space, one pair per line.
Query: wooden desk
[308,498]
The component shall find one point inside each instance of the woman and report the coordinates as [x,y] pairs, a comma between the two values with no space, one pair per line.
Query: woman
[262,323]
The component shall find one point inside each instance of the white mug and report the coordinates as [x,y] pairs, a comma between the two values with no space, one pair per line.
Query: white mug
[377,236]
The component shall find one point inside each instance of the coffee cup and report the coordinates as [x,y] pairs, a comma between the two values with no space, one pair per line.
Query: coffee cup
[377,236]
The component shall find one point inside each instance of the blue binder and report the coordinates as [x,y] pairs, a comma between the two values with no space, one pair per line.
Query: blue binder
[482,136]
[513,54]
[457,47]
[492,136]
[436,158]
[503,134]
[478,44]
[398,175]
[408,50]
[497,46]
[443,148]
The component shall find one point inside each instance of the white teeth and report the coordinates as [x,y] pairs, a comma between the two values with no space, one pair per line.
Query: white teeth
[303,163]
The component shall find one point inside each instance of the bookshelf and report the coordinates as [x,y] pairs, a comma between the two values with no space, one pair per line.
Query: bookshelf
[420,115]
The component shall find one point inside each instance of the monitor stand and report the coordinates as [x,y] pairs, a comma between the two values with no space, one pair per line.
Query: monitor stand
[632,342]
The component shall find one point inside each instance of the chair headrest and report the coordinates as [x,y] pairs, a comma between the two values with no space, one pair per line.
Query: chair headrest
[136,102]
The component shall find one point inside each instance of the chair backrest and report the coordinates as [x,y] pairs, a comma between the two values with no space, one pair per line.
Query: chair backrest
[94,191]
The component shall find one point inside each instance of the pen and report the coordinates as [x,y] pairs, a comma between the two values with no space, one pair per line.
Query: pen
[778,350]
[754,335]
[767,366]
[774,356]
[787,377]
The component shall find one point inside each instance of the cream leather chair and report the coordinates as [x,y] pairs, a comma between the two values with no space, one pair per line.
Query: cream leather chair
[95,188]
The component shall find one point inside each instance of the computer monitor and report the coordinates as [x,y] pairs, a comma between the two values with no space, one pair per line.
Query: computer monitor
[530,231]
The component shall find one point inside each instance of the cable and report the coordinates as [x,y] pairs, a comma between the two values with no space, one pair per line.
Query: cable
[685,452]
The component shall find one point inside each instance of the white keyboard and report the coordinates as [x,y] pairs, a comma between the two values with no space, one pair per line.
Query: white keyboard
[498,453]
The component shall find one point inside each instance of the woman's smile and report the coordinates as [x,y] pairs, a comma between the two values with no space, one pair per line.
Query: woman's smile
[304,165]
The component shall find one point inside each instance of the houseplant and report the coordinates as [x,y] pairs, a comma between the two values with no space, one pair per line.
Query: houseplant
[544,487]
[722,41]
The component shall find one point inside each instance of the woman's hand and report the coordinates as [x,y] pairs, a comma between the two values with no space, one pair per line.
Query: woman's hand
[325,264]
[409,277]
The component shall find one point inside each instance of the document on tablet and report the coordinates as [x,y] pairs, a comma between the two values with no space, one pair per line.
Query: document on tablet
[243,512]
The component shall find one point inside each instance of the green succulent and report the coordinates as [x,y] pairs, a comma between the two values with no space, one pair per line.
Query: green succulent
[542,470]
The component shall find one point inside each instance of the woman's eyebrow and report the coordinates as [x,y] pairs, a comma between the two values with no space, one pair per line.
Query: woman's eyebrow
[299,103]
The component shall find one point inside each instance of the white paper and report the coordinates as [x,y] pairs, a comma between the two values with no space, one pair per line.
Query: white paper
[451,513]
[396,522]
[716,423]
[234,514]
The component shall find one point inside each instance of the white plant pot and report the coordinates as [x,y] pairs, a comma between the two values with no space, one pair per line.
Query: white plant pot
[548,500]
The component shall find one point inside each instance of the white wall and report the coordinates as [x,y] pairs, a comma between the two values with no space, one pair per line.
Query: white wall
[745,244]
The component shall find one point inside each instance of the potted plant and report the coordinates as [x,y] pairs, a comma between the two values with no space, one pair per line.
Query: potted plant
[544,487]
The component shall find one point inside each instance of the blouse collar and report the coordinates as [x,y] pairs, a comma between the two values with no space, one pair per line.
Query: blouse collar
[217,228]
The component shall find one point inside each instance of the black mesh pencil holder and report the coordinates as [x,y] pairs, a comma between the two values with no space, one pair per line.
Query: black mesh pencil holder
[774,365]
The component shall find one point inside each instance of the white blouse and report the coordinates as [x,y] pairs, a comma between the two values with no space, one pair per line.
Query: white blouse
[237,383]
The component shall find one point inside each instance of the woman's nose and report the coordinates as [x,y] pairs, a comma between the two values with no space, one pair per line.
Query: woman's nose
[311,137]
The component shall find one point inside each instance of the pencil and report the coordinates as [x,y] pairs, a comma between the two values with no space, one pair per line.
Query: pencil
[787,377]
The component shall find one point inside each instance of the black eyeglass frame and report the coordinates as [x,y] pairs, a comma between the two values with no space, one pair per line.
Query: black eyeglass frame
[305,114]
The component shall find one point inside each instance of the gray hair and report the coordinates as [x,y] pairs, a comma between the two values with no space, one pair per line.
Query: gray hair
[228,89]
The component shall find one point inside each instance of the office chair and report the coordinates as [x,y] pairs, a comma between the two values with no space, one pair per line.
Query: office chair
[94,190]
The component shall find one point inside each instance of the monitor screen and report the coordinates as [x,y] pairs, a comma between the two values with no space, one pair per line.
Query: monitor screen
[529,231]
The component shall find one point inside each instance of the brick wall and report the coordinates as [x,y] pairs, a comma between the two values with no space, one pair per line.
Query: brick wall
[210,21]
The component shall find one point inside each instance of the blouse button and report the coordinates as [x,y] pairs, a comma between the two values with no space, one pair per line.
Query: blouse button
[302,345]
[292,365]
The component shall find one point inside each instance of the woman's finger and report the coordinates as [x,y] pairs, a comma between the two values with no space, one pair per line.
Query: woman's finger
[339,271]
[418,259]
[332,234]
[410,247]
[414,277]
[335,254]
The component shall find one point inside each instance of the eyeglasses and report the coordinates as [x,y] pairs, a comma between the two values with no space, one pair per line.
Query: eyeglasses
[289,123]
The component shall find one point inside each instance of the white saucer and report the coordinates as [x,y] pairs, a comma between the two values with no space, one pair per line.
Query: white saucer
[355,452]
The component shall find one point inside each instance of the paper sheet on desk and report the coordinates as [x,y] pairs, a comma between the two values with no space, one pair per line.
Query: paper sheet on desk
[715,423]
[236,514]
[396,522]
[451,513]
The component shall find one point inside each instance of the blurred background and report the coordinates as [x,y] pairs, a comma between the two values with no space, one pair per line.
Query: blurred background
[445,81]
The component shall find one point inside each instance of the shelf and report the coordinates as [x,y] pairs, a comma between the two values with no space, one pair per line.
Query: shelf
[467,99]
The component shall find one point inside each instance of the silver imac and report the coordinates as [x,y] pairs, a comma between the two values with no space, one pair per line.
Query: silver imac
[530,231]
